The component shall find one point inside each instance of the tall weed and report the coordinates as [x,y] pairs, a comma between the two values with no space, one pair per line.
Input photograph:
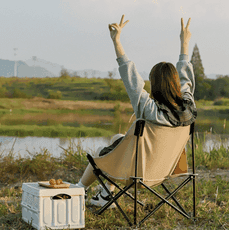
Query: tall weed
[216,158]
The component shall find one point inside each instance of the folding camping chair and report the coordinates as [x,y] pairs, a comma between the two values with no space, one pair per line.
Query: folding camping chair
[148,155]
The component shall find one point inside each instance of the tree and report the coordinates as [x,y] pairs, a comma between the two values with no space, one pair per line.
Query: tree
[197,63]
[202,88]
[64,74]
[116,89]
[75,74]
[110,74]
[221,86]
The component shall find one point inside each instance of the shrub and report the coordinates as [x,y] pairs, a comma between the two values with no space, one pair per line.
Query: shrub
[115,96]
[19,94]
[222,101]
[3,92]
[55,94]
[218,102]
[203,102]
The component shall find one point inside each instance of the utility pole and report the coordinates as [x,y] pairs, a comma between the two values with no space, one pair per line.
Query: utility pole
[34,59]
[15,64]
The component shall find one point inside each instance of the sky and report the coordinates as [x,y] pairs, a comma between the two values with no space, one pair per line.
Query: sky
[75,34]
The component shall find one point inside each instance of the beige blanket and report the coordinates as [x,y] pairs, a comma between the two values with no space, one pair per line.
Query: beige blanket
[159,151]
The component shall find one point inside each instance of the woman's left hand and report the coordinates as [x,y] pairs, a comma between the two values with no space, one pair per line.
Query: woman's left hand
[185,34]
[115,34]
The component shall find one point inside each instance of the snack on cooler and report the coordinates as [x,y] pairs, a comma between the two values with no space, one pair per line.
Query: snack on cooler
[54,182]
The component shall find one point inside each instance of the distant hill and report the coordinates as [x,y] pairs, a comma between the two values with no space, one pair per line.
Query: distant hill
[89,73]
[42,68]
[49,66]
[56,68]
[23,70]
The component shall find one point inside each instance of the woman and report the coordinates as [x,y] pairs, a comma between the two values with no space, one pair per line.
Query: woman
[171,102]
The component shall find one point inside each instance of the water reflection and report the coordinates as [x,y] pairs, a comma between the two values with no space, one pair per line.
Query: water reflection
[215,141]
[24,146]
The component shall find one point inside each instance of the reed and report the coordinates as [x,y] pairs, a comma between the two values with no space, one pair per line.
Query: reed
[218,157]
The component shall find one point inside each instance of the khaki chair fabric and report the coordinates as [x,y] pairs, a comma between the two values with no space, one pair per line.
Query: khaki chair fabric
[182,165]
[160,154]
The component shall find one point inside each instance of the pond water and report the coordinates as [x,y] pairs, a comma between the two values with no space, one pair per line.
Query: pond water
[24,146]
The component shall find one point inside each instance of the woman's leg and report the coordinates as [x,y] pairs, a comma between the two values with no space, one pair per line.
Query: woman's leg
[88,177]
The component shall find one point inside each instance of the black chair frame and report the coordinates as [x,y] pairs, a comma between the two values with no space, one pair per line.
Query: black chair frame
[139,128]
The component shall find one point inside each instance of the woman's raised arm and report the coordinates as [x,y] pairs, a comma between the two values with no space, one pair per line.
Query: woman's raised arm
[115,36]
[184,67]
[185,36]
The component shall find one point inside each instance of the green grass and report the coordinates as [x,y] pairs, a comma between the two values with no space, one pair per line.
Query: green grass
[212,193]
[52,131]
[17,116]
[6,103]
[220,104]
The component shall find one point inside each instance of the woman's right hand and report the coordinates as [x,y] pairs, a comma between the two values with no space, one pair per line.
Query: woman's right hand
[115,34]
[185,34]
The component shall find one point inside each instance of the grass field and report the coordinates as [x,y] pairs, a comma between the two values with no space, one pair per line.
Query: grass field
[84,103]
[34,117]
[212,191]
[69,88]
[60,118]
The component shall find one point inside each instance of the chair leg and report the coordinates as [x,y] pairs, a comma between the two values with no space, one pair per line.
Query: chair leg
[175,200]
[194,197]
[113,199]
[135,201]
[99,172]
[165,200]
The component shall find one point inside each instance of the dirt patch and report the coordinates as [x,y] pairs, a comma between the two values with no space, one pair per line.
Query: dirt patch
[41,103]
[207,175]
[212,174]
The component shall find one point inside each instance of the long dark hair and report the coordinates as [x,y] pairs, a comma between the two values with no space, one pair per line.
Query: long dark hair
[165,85]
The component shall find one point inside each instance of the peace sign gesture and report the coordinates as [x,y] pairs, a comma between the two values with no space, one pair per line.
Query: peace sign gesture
[115,34]
[185,34]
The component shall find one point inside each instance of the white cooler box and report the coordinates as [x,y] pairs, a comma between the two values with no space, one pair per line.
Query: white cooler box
[42,206]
